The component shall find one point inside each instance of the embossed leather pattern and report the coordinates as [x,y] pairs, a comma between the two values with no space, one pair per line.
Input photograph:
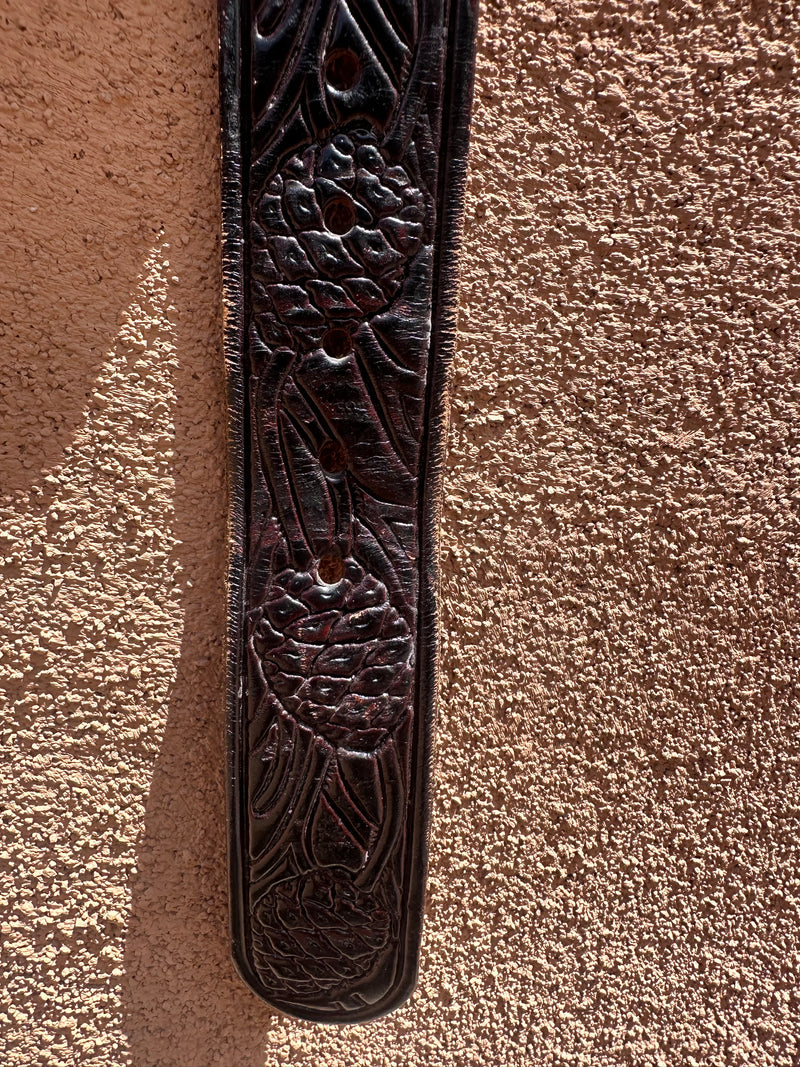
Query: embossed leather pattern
[344,137]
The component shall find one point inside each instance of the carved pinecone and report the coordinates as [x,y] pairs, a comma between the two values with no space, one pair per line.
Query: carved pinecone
[316,932]
[332,238]
[337,655]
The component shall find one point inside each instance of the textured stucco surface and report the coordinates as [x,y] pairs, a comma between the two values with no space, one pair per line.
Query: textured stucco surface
[616,842]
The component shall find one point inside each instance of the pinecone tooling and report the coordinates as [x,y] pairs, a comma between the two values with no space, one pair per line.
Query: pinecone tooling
[337,655]
[333,235]
[347,928]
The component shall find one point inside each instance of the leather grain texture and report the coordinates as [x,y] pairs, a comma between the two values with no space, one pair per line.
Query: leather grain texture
[344,145]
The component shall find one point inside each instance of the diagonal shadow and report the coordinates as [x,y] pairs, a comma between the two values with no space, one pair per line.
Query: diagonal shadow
[182,1003]
[110,150]
[78,161]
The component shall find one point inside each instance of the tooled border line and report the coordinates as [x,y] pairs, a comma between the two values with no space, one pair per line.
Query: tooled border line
[459,19]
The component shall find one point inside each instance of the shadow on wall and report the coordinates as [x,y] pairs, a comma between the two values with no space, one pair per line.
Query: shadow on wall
[111,155]
[182,1004]
[76,227]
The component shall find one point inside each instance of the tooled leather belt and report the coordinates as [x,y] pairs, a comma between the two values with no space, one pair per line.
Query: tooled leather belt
[344,142]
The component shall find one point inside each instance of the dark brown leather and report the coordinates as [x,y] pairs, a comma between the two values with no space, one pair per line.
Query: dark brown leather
[344,138]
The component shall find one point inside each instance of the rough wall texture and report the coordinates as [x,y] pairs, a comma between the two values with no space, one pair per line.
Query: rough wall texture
[616,843]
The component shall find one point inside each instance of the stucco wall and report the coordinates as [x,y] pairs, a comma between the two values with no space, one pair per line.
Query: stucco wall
[616,841]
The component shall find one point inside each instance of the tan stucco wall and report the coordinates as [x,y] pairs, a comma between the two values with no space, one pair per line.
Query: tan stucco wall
[616,843]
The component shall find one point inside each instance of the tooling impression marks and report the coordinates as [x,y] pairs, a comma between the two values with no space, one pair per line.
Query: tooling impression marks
[344,172]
